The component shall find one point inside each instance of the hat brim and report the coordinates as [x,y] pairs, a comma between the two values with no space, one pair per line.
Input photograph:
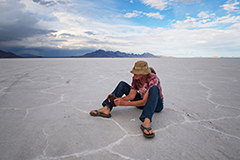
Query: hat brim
[139,71]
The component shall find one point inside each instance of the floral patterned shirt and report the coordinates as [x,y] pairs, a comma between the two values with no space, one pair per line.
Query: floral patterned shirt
[152,80]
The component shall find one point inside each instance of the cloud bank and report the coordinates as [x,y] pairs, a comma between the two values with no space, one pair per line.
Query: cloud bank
[69,27]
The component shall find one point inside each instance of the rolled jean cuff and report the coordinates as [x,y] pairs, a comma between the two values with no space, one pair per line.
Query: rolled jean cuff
[143,118]
[110,106]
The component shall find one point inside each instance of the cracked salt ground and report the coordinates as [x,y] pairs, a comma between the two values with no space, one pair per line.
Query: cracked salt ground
[45,105]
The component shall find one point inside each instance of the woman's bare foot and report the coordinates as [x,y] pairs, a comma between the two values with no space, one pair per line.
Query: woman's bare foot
[146,124]
[104,110]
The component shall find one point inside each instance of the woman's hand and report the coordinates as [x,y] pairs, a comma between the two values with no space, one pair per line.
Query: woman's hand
[120,102]
[109,96]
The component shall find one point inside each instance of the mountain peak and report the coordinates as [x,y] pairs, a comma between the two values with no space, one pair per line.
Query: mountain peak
[105,54]
[8,55]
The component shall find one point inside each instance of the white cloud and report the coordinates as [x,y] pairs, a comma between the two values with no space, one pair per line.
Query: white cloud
[133,14]
[154,15]
[77,31]
[163,4]
[205,20]
[227,19]
[203,41]
[188,1]
[158,4]
[231,7]
[203,15]
[235,27]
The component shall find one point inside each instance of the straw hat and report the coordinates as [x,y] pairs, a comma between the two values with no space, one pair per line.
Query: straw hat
[141,67]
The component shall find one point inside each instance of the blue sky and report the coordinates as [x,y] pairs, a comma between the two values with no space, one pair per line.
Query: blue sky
[179,28]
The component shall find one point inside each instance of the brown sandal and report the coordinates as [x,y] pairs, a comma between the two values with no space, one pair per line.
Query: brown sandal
[148,129]
[100,114]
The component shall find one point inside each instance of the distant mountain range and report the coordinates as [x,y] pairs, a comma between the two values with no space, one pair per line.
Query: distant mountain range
[96,54]
[8,55]
[12,55]
[30,56]
[104,54]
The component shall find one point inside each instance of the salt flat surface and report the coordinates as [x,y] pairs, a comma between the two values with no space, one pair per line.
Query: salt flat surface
[45,105]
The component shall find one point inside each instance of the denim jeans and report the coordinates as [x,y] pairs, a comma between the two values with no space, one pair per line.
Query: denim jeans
[153,104]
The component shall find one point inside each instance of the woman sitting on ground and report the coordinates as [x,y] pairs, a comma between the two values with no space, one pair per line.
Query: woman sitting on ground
[145,93]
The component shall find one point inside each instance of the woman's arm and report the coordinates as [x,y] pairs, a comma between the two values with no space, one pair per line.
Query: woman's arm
[126,102]
[132,94]
[139,102]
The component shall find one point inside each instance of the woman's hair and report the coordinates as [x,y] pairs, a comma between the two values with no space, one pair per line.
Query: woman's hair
[152,70]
